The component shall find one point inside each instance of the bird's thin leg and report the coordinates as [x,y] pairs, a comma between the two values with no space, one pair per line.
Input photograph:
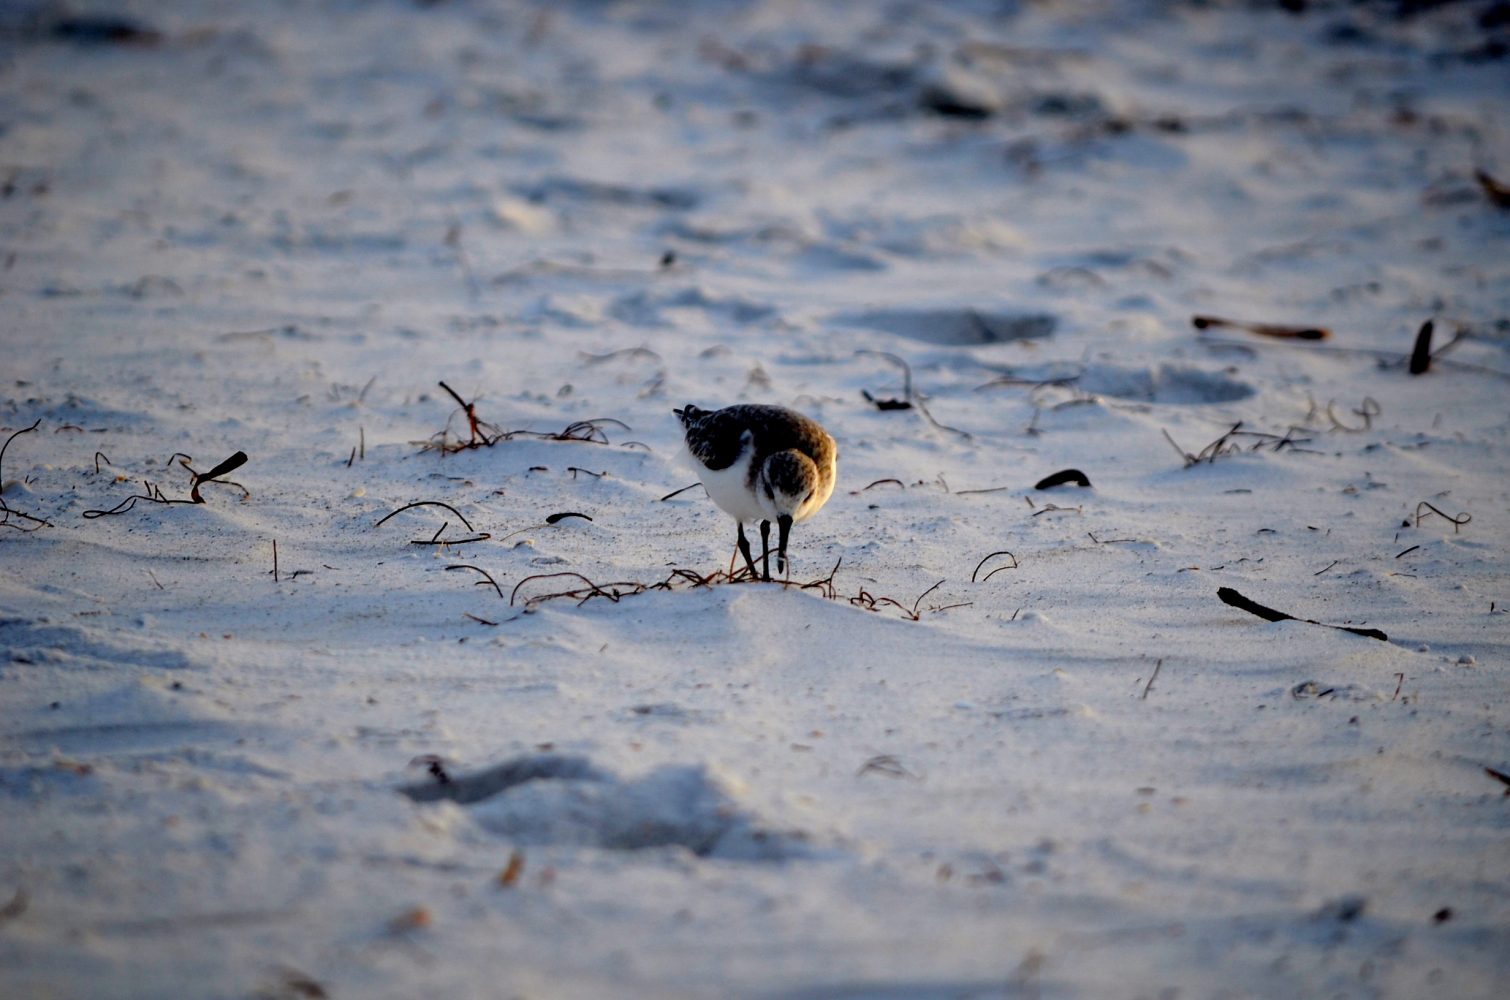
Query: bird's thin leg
[744,549]
[765,550]
[784,525]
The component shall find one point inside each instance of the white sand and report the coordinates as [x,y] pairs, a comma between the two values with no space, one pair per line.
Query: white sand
[279,227]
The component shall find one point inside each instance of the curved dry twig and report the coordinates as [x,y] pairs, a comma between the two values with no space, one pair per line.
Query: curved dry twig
[900,363]
[596,590]
[153,495]
[6,510]
[444,542]
[428,503]
[993,555]
[1367,411]
[924,594]
[587,430]
[1457,522]
[487,577]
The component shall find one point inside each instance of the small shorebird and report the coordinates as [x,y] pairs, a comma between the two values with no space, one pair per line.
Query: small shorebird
[762,463]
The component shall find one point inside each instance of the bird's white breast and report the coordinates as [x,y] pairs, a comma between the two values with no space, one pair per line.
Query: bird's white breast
[730,487]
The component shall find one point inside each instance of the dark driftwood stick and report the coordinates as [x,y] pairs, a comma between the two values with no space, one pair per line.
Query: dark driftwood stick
[231,464]
[886,404]
[1064,478]
[1236,600]
[673,493]
[1494,190]
[1262,329]
[1420,355]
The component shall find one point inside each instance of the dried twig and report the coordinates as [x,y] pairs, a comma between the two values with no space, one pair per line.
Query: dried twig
[993,555]
[886,404]
[1032,383]
[549,520]
[231,464]
[428,503]
[879,482]
[6,510]
[1367,411]
[1152,677]
[871,603]
[909,398]
[608,590]
[1223,445]
[1496,191]
[582,430]
[447,542]
[886,764]
[937,425]
[691,579]
[1236,600]
[1457,522]
[1262,329]
[487,577]
[153,494]
[359,451]
[900,363]
[479,432]
[824,586]
[924,594]
[1387,359]
[679,492]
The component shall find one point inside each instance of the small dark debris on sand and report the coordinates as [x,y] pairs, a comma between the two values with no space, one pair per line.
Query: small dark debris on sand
[1236,600]
[1066,477]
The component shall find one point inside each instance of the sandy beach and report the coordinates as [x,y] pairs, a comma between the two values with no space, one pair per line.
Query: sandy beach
[443,688]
